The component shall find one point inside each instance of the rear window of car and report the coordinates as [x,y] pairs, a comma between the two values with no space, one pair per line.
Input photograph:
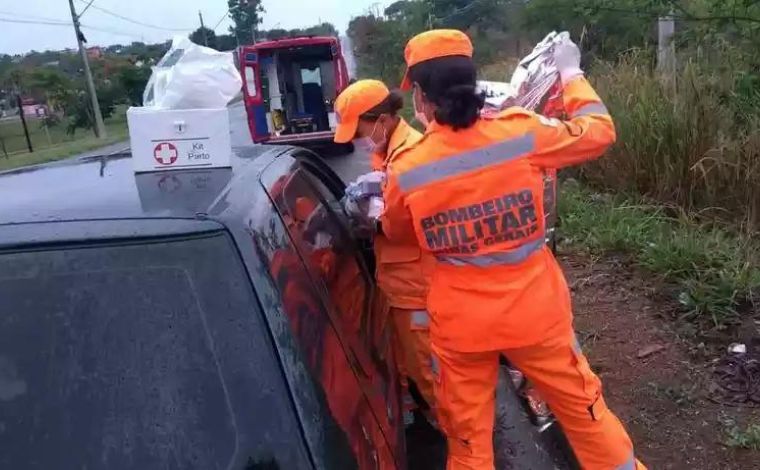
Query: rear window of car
[142,355]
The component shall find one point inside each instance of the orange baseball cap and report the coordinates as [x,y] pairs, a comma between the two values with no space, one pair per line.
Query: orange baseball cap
[354,101]
[434,44]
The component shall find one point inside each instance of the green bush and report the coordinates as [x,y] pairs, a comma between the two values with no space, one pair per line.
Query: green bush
[694,145]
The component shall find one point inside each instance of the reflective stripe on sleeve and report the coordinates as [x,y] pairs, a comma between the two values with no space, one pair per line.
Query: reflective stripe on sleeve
[435,366]
[468,161]
[420,318]
[630,464]
[514,256]
[591,108]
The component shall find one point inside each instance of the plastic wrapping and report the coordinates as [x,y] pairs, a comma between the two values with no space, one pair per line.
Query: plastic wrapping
[364,201]
[190,76]
[536,85]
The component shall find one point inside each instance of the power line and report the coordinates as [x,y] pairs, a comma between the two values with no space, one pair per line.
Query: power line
[220,20]
[57,23]
[31,17]
[457,12]
[130,20]
[86,8]
[20,21]
[111,31]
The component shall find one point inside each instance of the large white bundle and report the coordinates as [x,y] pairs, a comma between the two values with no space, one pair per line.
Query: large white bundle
[190,76]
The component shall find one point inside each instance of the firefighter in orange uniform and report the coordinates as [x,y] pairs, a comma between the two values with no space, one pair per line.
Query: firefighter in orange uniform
[368,116]
[470,193]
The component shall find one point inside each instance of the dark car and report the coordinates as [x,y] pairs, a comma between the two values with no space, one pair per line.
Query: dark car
[208,319]
[197,319]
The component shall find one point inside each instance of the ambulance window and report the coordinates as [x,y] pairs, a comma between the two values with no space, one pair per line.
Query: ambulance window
[311,75]
[250,80]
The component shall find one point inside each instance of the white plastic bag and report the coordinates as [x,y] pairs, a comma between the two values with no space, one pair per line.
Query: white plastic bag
[190,76]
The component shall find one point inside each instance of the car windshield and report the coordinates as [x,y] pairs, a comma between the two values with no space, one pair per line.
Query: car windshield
[141,355]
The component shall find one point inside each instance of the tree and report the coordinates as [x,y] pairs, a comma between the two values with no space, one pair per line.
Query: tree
[246,18]
[322,29]
[379,40]
[78,108]
[605,28]
[226,42]
[133,80]
[203,34]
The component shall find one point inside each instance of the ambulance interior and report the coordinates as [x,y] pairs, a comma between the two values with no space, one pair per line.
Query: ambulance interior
[299,89]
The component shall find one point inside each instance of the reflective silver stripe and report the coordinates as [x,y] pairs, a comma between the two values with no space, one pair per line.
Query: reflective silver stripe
[467,161]
[577,345]
[515,256]
[591,108]
[628,465]
[420,318]
[435,367]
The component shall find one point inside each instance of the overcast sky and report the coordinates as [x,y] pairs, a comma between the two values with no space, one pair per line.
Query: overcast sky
[101,28]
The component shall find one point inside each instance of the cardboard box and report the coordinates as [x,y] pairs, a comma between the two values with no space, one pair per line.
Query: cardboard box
[175,139]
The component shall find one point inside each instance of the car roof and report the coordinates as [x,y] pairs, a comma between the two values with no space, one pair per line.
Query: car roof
[107,188]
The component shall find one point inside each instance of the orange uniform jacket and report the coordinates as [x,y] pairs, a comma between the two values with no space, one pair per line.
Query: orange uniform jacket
[473,198]
[403,270]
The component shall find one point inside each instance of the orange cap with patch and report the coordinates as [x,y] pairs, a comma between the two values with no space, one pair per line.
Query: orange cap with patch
[354,101]
[434,44]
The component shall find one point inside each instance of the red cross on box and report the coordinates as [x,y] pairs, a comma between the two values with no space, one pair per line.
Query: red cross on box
[165,153]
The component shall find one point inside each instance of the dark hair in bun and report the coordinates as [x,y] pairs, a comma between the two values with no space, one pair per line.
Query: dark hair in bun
[450,83]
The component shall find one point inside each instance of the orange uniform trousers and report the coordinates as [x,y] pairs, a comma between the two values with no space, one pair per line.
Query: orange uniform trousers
[411,335]
[465,386]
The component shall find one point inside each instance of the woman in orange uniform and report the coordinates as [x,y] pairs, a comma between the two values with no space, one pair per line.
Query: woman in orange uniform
[368,116]
[470,193]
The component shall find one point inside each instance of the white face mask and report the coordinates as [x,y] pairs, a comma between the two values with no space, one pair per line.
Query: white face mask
[368,144]
[419,115]
[365,144]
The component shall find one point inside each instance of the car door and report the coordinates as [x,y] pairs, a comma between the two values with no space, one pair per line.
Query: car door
[310,269]
[374,336]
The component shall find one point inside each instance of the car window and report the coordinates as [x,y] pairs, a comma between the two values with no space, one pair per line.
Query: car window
[377,338]
[141,355]
[329,252]
[376,333]
[328,359]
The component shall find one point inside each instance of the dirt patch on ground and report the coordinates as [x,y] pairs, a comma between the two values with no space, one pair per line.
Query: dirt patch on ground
[655,381]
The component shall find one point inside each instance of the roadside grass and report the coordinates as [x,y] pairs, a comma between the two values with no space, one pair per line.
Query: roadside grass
[82,141]
[694,145]
[747,438]
[715,271]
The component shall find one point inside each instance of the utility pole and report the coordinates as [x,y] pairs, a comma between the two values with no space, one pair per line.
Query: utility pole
[203,29]
[23,121]
[100,129]
[666,48]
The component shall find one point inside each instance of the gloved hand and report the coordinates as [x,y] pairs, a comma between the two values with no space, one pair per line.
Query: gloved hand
[567,56]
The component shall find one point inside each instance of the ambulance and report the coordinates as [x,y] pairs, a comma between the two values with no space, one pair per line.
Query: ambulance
[290,86]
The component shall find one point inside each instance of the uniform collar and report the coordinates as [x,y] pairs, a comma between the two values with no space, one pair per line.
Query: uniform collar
[399,140]
[434,126]
[399,137]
